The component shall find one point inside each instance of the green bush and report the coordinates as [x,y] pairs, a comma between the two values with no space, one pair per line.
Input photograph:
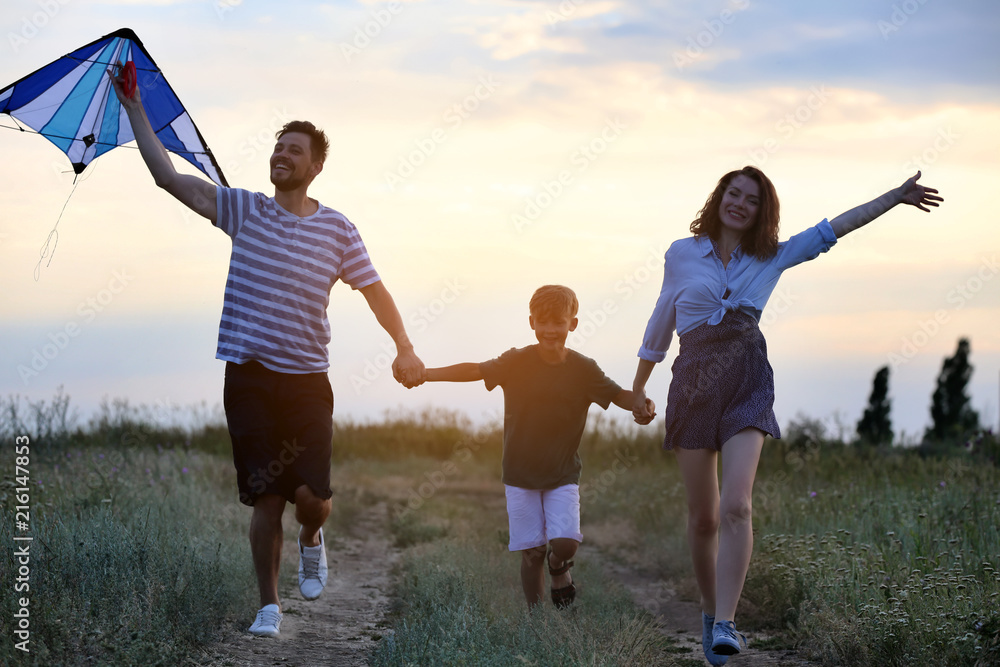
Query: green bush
[436,434]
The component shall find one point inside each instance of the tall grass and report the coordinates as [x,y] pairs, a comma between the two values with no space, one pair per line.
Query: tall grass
[461,604]
[862,556]
[459,598]
[885,561]
[136,558]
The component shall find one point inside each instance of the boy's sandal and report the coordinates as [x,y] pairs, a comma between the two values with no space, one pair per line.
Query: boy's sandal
[562,597]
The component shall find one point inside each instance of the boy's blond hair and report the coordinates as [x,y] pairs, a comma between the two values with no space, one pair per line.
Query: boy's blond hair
[553,301]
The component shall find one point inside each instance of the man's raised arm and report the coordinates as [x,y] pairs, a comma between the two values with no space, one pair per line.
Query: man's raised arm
[192,191]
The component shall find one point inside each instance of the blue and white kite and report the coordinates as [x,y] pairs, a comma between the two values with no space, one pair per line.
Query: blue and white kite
[71,103]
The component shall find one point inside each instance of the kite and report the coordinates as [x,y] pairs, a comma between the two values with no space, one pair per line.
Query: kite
[72,103]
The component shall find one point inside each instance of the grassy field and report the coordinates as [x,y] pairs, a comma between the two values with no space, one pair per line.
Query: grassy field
[138,552]
[862,557]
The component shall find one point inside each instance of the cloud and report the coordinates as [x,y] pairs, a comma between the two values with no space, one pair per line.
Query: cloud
[523,29]
[898,49]
[917,45]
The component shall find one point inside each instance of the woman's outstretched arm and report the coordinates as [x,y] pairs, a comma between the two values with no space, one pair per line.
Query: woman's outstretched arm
[910,192]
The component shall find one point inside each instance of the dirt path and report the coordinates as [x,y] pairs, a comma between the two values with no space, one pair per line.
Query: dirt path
[673,605]
[342,626]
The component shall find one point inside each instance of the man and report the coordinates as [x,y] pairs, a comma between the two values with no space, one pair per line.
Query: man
[288,251]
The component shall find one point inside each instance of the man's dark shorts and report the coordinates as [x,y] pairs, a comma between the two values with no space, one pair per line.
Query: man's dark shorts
[281,425]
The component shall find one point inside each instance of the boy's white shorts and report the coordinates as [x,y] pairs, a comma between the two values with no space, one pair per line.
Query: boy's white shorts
[536,516]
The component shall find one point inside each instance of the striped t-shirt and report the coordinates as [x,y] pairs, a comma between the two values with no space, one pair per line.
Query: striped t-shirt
[280,276]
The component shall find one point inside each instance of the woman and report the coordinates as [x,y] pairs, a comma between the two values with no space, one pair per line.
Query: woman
[715,286]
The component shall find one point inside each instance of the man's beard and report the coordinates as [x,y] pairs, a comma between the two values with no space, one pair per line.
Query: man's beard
[288,183]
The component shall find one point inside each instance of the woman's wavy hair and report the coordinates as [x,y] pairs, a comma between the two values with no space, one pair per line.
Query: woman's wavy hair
[761,240]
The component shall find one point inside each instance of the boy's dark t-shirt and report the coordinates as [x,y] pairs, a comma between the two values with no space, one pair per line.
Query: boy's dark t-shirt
[545,413]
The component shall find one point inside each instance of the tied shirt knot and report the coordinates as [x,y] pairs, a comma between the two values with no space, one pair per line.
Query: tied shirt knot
[729,305]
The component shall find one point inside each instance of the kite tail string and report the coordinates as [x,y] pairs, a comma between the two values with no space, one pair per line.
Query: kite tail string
[53,237]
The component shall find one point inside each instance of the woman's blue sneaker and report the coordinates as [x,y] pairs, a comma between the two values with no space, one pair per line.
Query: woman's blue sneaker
[707,624]
[726,639]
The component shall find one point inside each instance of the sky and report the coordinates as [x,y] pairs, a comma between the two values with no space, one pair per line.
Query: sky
[486,148]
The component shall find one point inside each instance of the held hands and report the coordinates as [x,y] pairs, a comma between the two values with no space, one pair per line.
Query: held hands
[408,370]
[918,195]
[643,409]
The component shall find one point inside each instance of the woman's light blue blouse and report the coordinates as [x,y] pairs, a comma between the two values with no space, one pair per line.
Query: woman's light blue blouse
[697,289]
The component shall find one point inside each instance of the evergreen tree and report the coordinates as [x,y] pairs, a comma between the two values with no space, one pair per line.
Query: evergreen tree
[875,427]
[953,417]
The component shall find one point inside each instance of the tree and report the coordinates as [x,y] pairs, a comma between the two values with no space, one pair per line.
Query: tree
[804,433]
[875,427]
[953,417]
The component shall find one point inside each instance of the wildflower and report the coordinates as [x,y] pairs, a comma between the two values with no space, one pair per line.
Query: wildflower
[941,484]
[812,494]
[184,470]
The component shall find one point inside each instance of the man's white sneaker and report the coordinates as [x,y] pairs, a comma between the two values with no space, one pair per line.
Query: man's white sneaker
[312,568]
[268,621]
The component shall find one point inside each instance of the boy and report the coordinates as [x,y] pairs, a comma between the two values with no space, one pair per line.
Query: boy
[548,389]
